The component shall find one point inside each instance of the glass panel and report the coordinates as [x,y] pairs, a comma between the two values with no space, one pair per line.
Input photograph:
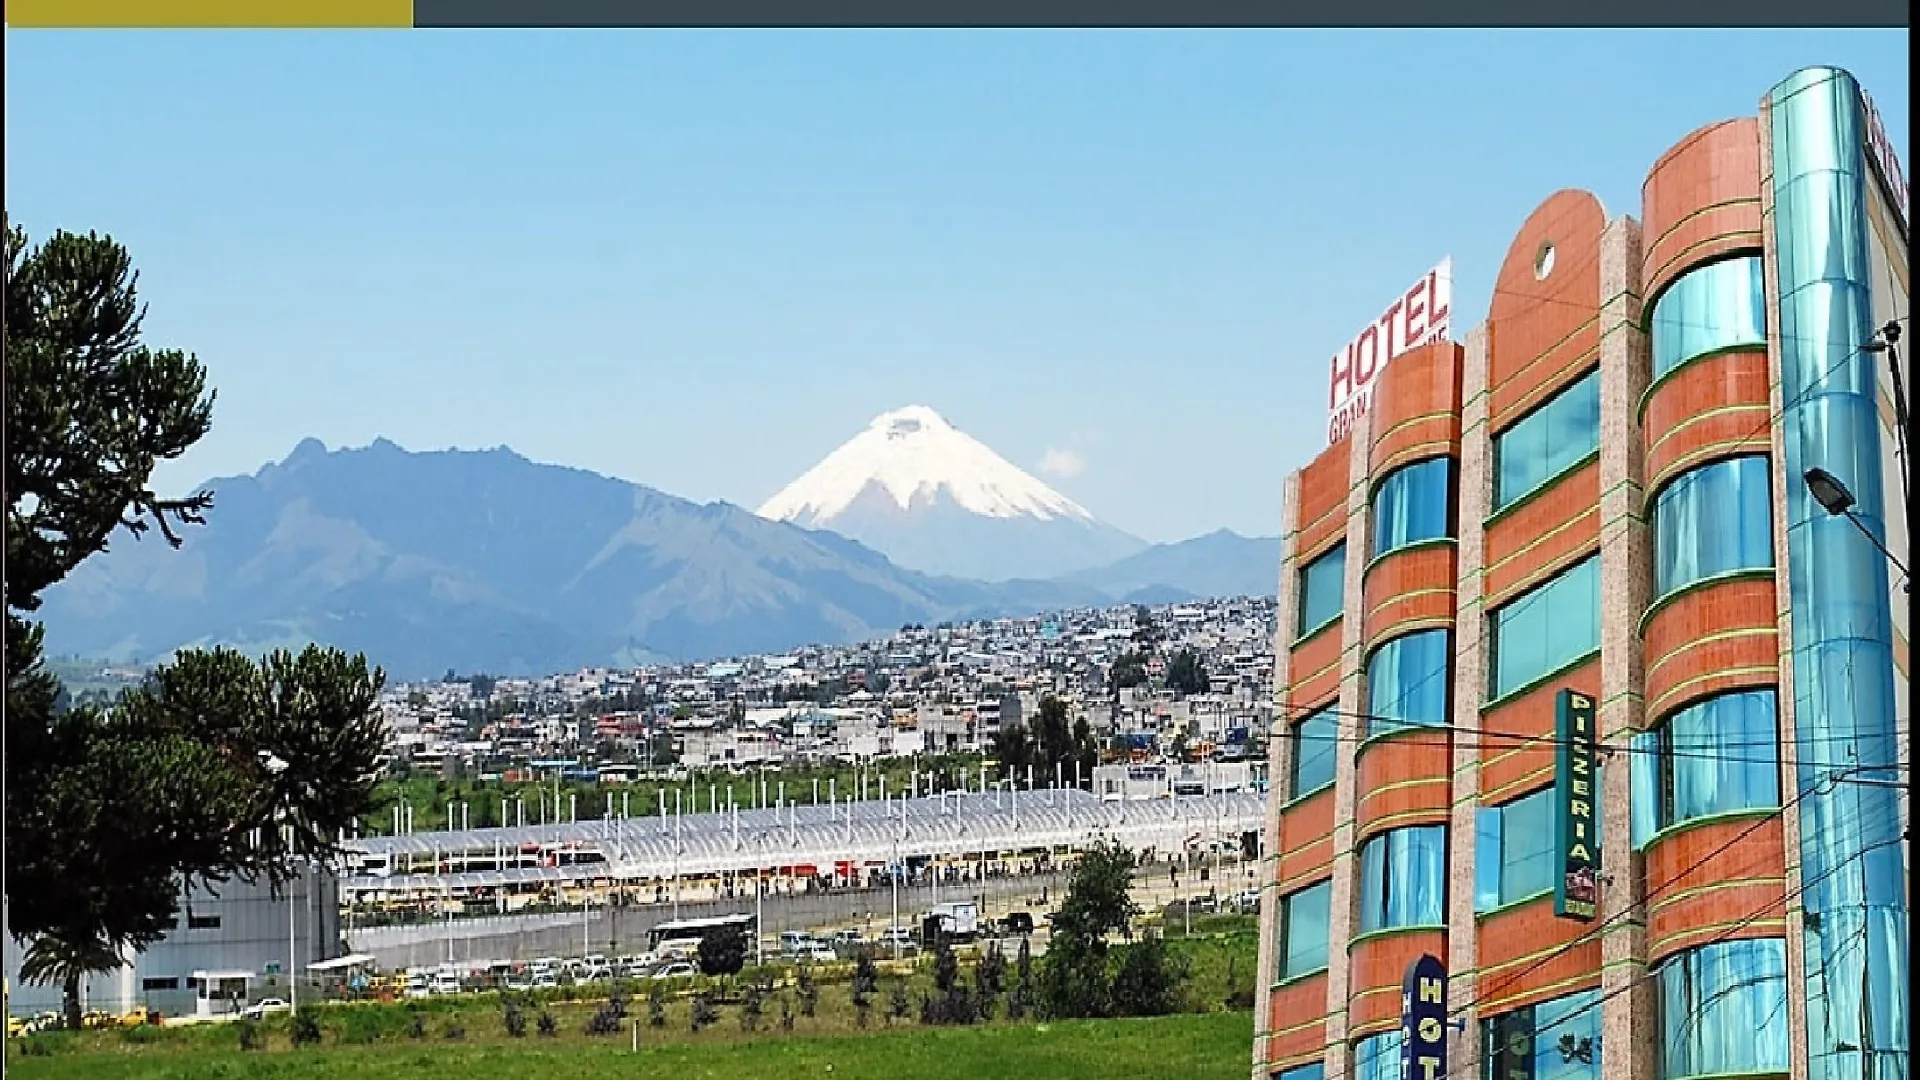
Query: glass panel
[1554,1040]
[1377,1057]
[1323,588]
[1304,930]
[1723,755]
[1723,1009]
[1547,440]
[1546,628]
[1645,766]
[1407,682]
[1403,879]
[1488,828]
[1315,740]
[1313,1070]
[1412,504]
[1715,519]
[1709,309]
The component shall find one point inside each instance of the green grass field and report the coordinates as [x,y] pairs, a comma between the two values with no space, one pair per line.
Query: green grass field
[1212,1039]
[1192,1047]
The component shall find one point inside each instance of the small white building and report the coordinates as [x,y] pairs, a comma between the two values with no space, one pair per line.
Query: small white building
[232,945]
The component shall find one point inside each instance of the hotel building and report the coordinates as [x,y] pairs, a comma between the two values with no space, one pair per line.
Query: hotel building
[1603,491]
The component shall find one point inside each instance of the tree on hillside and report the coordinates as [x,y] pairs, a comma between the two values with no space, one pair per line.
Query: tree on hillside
[1129,669]
[1187,673]
[218,767]
[1053,743]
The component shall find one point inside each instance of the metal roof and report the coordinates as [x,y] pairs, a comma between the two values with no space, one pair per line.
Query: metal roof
[821,834]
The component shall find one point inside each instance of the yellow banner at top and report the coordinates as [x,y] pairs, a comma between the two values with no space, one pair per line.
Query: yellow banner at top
[188,14]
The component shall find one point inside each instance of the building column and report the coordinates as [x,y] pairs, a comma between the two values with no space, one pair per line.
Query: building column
[1475,492]
[1280,752]
[1785,697]
[1628,1032]
[1343,909]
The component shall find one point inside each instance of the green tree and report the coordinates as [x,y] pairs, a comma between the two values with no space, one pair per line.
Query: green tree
[217,767]
[1187,673]
[723,953]
[1073,974]
[1147,980]
[1129,669]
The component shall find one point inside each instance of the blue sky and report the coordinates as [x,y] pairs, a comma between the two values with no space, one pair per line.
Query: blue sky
[702,261]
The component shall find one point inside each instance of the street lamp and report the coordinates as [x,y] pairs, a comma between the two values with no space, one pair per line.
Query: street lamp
[1837,501]
[1888,341]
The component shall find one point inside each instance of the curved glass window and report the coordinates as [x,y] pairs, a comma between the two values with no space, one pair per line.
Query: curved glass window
[1549,439]
[1412,504]
[1723,1009]
[1712,520]
[1303,930]
[1721,306]
[1408,683]
[1558,1039]
[1713,757]
[1315,740]
[1403,879]
[1513,850]
[1546,628]
[1323,585]
[1377,1057]
[1312,1070]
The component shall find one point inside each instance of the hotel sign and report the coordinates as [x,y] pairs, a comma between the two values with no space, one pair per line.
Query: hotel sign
[1421,314]
[1423,1020]
[1883,160]
[1576,891]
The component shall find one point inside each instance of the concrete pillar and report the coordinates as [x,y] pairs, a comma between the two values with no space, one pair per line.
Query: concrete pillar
[1280,751]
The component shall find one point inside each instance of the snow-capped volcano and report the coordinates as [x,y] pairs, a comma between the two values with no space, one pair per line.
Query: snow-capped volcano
[934,498]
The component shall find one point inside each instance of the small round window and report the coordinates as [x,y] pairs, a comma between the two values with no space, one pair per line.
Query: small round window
[1543,262]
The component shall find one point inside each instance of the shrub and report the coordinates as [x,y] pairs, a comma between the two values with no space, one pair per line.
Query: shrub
[306,1028]
[898,1004]
[657,1006]
[514,1019]
[454,1030]
[418,1025]
[251,1037]
[702,1013]
[548,1026]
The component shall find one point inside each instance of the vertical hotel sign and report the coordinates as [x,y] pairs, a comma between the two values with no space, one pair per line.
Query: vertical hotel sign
[1884,162]
[1576,891]
[1423,1020]
[1421,314]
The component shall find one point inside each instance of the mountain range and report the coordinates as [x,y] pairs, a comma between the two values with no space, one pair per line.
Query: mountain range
[487,561]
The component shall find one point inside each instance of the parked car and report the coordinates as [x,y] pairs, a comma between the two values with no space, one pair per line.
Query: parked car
[1017,922]
[264,1006]
[675,970]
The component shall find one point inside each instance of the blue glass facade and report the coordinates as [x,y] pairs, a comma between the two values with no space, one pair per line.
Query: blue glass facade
[1377,1057]
[1850,833]
[1547,441]
[1715,519]
[1303,930]
[1414,503]
[1323,588]
[1315,741]
[1546,628]
[1312,1070]
[1403,879]
[1717,756]
[1558,1039]
[1707,310]
[1723,1009]
[1513,850]
[1407,683]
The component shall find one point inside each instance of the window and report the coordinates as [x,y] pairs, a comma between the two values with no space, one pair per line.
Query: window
[1547,441]
[1713,520]
[1377,1057]
[1553,1040]
[1513,851]
[1312,1070]
[1408,683]
[1716,756]
[1323,589]
[1412,504]
[1707,310]
[1303,930]
[1546,629]
[1315,741]
[1403,879]
[203,922]
[150,985]
[1723,1009]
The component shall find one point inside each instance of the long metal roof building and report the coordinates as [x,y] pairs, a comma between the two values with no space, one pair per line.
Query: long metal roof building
[742,840]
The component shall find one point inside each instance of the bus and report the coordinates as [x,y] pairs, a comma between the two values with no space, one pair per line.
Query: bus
[698,929]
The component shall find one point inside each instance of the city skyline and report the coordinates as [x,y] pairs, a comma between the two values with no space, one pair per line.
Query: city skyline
[1109,257]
